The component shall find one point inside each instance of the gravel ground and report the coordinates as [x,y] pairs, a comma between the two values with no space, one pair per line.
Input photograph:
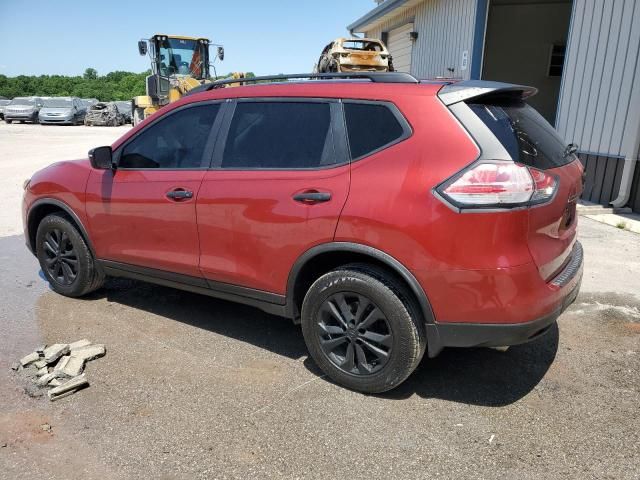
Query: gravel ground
[192,387]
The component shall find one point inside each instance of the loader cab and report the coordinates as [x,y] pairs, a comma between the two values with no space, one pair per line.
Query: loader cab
[173,55]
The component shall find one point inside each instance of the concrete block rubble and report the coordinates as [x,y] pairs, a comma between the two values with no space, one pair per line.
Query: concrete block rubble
[59,368]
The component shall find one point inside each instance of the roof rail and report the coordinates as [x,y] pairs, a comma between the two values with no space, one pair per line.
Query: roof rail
[466,90]
[376,77]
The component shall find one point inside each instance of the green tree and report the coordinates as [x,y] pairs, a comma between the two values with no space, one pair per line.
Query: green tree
[90,74]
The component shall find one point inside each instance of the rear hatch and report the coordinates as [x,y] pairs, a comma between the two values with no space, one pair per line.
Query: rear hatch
[532,141]
[529,140]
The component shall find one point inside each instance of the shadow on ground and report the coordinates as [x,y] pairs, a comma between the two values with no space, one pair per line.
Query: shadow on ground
[477,376]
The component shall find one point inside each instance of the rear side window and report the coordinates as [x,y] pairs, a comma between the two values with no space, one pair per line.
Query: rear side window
[285,135]
[371,127]
[524,133]
[176,141]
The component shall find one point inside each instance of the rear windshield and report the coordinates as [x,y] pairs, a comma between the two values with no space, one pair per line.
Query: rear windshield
[363,46]
[524,133]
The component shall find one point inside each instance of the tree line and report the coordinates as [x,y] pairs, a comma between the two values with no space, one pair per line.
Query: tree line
[116,85]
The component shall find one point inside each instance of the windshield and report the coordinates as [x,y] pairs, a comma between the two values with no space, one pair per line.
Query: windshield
[5,102]
[180,56]
[58,103]
[22,101]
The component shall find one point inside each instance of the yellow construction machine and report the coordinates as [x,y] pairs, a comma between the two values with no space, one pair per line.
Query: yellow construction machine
[178,64]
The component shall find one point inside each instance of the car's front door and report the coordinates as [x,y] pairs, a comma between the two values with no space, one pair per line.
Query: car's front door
[280,180]
[143,213]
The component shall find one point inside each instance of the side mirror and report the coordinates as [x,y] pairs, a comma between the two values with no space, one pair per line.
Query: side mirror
[221,53]
[142,47]
[101,158]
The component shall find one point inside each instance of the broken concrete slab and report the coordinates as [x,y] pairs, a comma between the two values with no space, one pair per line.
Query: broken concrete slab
[90,352]
[40,350]
[55,351]
[68,388]
[29,359]
[73,367]
[79,344]
[39,364]
[45,379]
[61,363]
[43,371]
[55,382]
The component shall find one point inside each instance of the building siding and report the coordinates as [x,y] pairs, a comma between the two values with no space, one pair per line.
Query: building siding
[601,65]
[445,29]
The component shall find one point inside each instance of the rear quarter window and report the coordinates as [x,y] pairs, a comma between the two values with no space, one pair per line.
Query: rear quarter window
[372,127]
[524,133]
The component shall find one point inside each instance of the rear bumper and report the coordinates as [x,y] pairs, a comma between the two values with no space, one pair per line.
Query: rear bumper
[565,287]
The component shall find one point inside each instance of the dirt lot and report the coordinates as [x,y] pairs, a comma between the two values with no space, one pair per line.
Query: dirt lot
[193,387]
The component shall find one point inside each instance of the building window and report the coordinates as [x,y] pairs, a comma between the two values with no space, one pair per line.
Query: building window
[556,60]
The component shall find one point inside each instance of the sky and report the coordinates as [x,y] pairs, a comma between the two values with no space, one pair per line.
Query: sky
[265,37]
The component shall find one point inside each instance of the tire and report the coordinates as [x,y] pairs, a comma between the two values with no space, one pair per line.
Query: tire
[57,234]
[390,342]
[8,121]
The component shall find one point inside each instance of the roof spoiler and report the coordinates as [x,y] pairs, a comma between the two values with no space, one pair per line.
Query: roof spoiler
[463,91]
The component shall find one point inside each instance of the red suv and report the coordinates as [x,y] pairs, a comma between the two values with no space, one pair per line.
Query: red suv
[388,216]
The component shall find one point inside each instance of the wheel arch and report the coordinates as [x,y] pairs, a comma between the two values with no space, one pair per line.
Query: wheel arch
[322,258]
[46,206]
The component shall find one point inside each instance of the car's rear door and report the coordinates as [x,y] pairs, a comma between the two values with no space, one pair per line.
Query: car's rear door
[279,182]
[144,213]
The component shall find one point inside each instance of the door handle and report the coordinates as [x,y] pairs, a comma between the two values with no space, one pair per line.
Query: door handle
[312,197]
[179,194]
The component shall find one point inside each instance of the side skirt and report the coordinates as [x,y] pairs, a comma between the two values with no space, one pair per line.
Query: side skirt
[268,302]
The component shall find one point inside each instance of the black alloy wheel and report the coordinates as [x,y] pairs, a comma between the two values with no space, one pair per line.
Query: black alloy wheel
[60,259]
[354,333]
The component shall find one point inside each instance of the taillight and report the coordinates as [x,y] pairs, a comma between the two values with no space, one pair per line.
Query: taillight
[491,184]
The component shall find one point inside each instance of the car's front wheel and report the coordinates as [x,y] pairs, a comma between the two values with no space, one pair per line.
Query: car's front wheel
[65,258]
[362,328]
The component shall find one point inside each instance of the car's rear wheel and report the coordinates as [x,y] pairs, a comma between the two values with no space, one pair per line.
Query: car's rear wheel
[8,121]
[65,258]
[362,328]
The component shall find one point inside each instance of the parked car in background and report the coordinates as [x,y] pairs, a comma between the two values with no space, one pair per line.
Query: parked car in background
[355,55]
[3,103]
[124,107]
[62,110]
[23,109]
[391,218]
[104,114]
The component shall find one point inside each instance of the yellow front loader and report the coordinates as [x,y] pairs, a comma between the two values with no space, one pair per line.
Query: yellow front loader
[178,64]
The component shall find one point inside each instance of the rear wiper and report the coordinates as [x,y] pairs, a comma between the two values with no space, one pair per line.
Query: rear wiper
[570,149]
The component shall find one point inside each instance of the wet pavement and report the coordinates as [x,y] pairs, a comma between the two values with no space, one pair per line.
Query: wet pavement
[193,387]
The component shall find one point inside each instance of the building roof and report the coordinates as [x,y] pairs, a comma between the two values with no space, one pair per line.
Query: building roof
[382,12]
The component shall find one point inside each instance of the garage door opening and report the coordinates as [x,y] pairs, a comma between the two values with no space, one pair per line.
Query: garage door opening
[525,43]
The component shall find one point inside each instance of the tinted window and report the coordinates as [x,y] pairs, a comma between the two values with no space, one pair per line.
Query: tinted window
[176,141]
[524,133]
[370,127]
[279,135]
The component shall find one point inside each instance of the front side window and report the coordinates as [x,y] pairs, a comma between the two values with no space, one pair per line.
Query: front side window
[176,141]
[371,127]
[286,135]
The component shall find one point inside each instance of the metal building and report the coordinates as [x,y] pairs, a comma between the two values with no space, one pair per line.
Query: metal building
[582,55]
